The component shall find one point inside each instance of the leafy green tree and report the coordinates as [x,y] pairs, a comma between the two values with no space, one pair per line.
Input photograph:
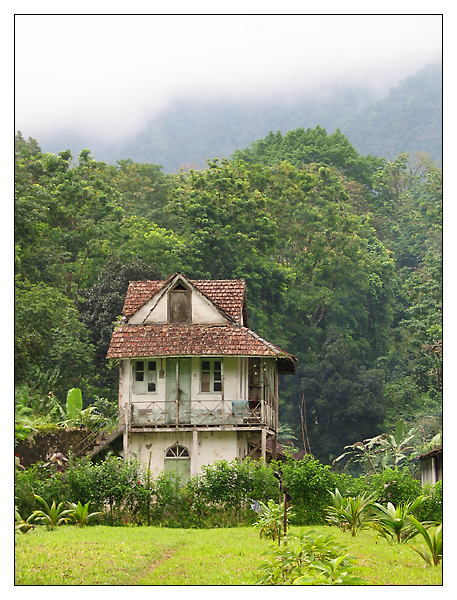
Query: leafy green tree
[301,147]
[144,190]
[102,303]
[228,232]
[65,221]
[51,344]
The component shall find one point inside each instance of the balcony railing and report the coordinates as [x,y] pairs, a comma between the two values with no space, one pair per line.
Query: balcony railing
[202,413]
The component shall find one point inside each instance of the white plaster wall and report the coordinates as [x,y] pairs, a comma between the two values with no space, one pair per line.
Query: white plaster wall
[124,381]
[231,382]
[203,311]
[212,446]
[154,311]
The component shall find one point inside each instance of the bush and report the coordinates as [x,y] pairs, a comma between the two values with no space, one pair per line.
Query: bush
[395,486]
[431,508]
[220,496]
[308,482]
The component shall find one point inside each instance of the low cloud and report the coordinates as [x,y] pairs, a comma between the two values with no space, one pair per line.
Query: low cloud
[107,75]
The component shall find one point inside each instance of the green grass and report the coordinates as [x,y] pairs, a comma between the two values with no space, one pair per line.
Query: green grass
[101,555]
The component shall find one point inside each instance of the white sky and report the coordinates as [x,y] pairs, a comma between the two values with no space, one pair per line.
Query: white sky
[109,74]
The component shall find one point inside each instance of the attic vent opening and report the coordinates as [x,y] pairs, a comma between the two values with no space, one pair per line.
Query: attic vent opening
[179,304]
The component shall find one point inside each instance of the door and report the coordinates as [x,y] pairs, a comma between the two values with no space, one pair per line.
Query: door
[177,461]
[177,390]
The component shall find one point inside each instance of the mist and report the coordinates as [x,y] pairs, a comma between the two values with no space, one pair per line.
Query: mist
[108,75]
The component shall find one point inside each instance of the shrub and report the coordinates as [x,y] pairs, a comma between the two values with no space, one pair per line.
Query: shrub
[308,559]
[434,542]
[308,481]
[395,486]
[79,513]
[271,520]
[221,495]
[394,522]
[431,508]
[51,515]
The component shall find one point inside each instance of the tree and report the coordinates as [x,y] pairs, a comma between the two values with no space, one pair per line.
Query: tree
[101,304]
[52,346]
[144,190]
[228,231]
[337,395]
[65,221]
[301,147]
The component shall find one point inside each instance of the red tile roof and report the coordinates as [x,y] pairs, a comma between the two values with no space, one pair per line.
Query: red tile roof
[227,294]
[184,340]
[196,339]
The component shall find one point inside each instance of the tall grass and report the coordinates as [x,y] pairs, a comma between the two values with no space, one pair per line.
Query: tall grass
[102,555]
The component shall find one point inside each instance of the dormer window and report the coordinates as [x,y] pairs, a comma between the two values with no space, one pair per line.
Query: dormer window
[179,304]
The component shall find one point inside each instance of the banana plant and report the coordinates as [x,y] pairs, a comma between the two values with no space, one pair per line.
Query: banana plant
[74,403]
[434,543]
[381,451]
[79,513]
[394,522]
[396,445]
[52,515]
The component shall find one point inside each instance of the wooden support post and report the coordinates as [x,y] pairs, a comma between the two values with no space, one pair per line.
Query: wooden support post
[125,439]
[262,392]
[264,445]
[193,460]
[274,451]
[177,393]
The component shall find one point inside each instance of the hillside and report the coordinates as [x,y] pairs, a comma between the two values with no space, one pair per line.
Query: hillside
[341,255]
[187,133]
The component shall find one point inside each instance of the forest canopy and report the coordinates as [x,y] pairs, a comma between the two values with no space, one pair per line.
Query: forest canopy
[341,254]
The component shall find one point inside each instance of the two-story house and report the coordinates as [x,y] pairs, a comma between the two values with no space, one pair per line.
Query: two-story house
[196,385]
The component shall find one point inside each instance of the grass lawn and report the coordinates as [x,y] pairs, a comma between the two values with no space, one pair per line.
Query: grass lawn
[101,555]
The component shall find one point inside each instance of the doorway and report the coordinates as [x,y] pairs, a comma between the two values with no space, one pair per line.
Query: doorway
[177,390]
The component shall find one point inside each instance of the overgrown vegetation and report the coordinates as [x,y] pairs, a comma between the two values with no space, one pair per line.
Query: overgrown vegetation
[341,254]
[221,496]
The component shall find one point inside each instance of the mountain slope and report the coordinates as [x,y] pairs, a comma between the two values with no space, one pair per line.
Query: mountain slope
[187,133]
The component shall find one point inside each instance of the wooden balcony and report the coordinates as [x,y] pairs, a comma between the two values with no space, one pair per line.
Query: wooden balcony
[202,413]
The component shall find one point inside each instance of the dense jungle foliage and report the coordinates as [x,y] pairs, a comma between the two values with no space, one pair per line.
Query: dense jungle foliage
[341,254]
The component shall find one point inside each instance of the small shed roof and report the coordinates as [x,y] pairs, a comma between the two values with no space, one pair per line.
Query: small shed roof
[435,452]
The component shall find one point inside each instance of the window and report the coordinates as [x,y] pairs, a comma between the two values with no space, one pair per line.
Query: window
[211,376]
[145,376]
[177,461]
[254,378]
[177,452]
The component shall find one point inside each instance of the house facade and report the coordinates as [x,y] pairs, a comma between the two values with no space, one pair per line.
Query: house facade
[196,385]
